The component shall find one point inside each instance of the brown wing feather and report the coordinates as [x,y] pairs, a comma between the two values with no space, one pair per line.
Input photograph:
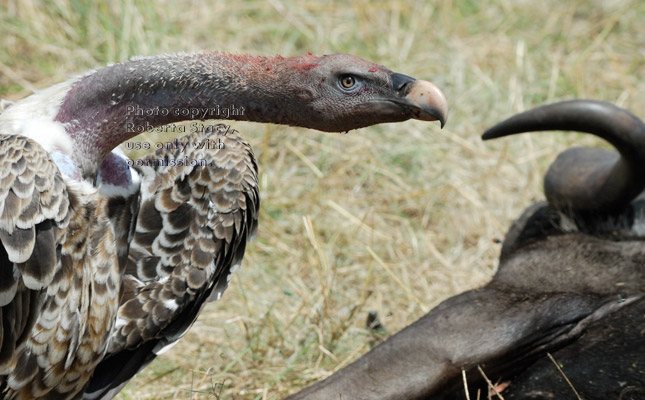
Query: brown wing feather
[32,192]
[57,247]
[193,225]
[33,212]
[191,233]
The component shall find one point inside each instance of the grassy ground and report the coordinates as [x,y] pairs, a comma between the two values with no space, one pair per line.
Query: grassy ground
[393,218]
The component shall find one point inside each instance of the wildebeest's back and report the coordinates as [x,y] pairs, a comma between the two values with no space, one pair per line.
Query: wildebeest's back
[606,362]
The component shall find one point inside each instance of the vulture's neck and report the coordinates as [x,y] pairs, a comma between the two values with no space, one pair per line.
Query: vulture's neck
[109,106]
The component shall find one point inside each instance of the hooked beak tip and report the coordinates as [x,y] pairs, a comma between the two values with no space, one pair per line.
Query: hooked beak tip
[429,100]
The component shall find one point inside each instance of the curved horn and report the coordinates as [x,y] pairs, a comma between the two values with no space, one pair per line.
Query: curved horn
[585,178]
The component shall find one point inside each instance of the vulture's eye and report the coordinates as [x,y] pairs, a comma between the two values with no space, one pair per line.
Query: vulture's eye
[347,81]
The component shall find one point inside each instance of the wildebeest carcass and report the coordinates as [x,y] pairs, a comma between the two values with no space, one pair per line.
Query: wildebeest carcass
[569,290]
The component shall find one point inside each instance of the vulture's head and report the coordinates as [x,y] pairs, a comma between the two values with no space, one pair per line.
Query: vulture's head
[341,92]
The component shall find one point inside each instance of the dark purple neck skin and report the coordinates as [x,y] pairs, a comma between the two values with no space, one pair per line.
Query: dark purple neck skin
[114,104]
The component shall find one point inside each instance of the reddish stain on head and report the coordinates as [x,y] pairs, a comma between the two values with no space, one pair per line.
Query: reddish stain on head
[374,69]
[303,67]
[248,62]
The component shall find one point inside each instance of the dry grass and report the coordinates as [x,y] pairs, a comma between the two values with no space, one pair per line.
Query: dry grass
[393,218]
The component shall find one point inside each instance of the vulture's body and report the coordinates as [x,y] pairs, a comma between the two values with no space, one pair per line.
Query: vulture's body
[103,266]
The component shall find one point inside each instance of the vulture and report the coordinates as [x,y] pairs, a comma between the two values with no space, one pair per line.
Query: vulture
[106,262]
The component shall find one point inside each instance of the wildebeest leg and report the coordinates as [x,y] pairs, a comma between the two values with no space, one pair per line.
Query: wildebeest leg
[463,332]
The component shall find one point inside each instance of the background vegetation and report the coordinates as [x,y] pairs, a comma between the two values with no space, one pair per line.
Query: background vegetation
[391,219]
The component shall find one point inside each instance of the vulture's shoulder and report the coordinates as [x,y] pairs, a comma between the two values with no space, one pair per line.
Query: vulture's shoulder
[37,251]
[199,206]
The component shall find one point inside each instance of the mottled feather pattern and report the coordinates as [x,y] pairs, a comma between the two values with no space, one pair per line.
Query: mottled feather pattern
[54,330]
[192,228]
[33,213]
[31,191]
[122,212]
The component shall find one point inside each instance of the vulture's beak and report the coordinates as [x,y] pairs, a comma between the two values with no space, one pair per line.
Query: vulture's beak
[422,99]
